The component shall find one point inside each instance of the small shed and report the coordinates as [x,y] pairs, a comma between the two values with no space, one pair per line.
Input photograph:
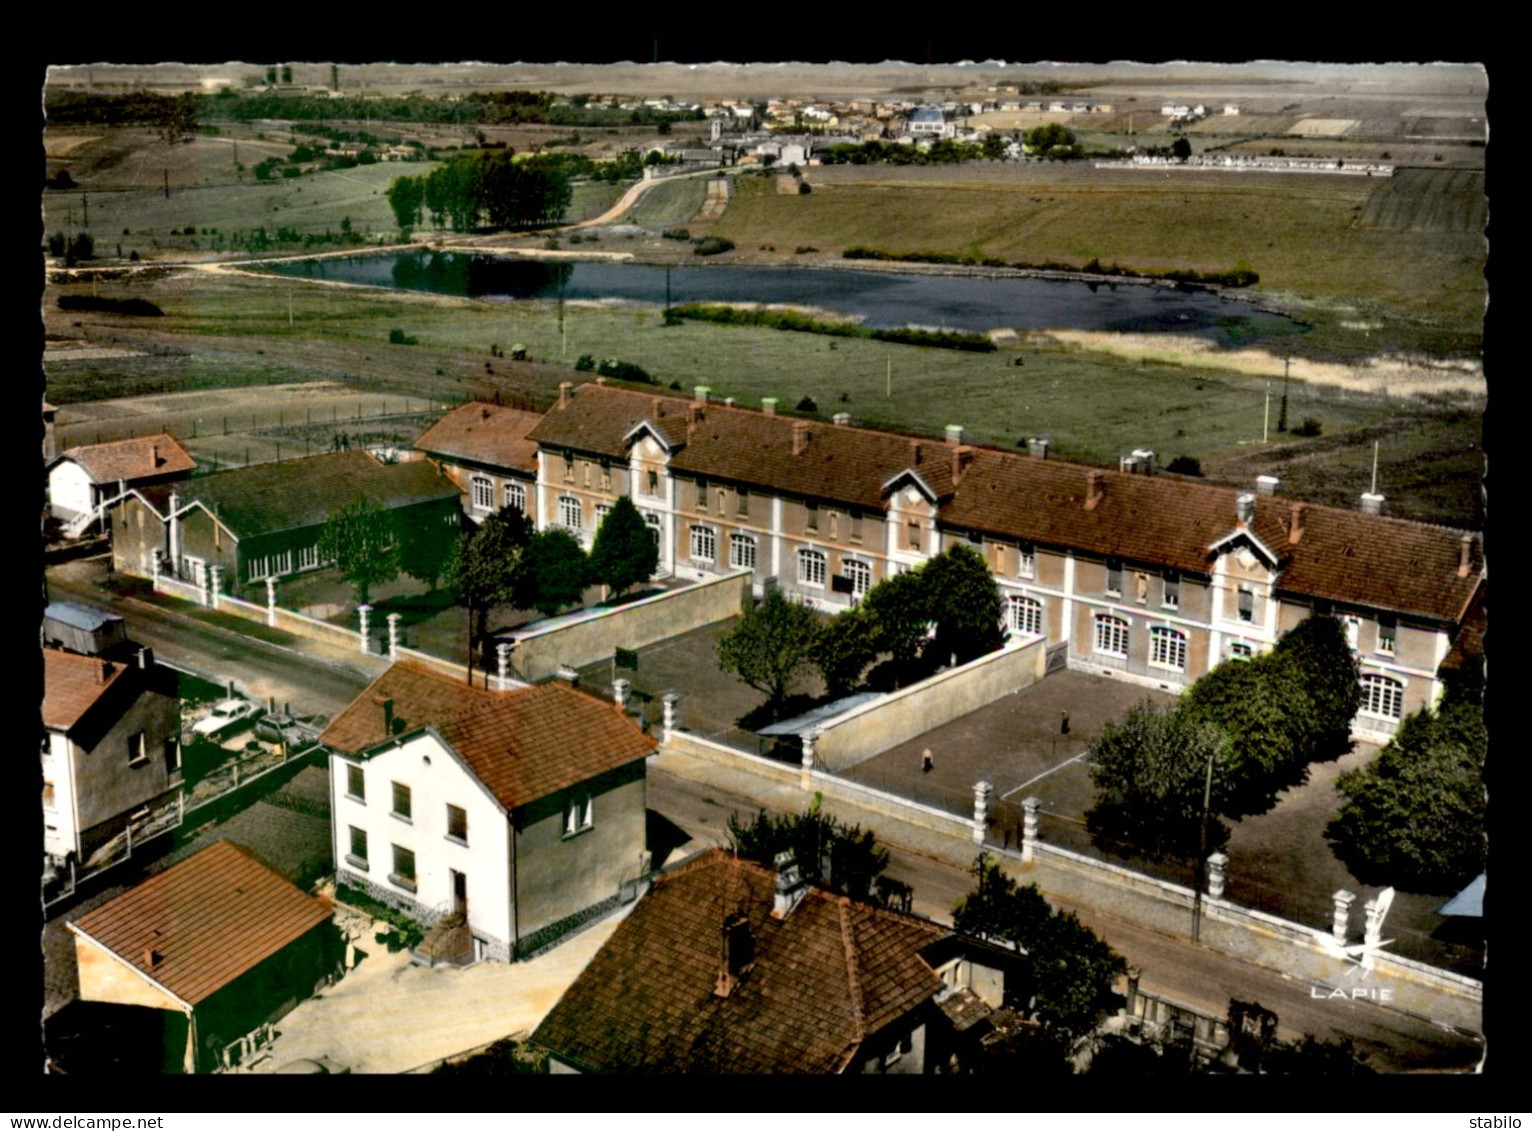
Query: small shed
[82,628]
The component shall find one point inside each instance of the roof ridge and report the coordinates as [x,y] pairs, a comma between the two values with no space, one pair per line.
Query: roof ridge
[859,1015]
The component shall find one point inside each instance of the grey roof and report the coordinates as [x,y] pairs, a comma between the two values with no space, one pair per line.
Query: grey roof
[86,617]
[809,719]
[1469,901]
[925,114]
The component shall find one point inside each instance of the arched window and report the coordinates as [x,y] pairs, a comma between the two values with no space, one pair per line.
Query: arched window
[741,551]
[569,512]
[1025,616]
[1112,636]
[860,576]
[1382,696]
[1167,648]
[483,493]
[704,544]
[516,496]
[811,568]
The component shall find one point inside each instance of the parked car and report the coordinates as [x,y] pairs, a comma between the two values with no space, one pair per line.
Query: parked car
[225,715]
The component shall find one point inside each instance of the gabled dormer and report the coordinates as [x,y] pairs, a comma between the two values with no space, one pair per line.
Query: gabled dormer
[1245,572]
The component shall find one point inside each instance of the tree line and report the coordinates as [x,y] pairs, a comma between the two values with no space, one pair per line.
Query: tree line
[490,187]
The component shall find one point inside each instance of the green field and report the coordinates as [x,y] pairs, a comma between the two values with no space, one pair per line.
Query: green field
[1092,405]
[1404,255]
[669,202]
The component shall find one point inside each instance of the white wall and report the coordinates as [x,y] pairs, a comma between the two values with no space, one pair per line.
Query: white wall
[58,767]
[69,489]
[436,778]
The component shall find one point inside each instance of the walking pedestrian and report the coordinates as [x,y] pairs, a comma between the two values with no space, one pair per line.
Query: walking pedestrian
[925,761]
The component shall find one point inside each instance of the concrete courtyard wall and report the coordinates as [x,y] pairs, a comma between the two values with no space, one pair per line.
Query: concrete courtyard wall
[874,727]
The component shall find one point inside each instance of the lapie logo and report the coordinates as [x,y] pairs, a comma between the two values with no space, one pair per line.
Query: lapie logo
[1363,955]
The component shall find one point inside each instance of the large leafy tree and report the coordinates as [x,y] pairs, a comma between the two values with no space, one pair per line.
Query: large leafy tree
[1151,772]
[1317,650]
[900,610]
[841,858]
[554,572]
[1414,815]
[360,540]
[964,602]
[426,547]
[484,569]
[406,196]
[625,552]
[770,647]
[1072,967]
[844,649]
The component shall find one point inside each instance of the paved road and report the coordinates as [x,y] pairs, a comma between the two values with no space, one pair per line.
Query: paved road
[1172,967]
[312,686]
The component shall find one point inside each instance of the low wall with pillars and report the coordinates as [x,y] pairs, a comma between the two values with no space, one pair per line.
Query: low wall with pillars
[877,726]
[585,638]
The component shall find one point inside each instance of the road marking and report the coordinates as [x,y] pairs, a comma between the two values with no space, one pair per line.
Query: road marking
[1044,774]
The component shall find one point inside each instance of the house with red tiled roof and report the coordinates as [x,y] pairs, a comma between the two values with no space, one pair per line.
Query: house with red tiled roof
[83,478]
[729,967]
[110,749]
[1132,573]
[484,449]
[220,944]
[503,819]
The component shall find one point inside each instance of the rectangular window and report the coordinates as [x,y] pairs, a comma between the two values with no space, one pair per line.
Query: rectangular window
[482,491]
[404,869]
[652,482]
[912,535]
[1238,651]
[308,557]
[136,755]
[811,516]
[602,510]
[1387,631]
[741,551]
[579,813]
[742,502]
[1171,597]
[606,475]
[856,525]
[701,493]
[516,496]
[569,467]
[402,800]
[1246,605]
[569,512]
[358,855]
[172,754]
[48,796]
[457,824]
[356,784]
[1114,579]
[1026,561]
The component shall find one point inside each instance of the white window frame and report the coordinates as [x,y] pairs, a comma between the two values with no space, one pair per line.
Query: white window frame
[579,813]
[1026,561]
[813,568]
[860,575]
[407,814]
[1241,651]
[481,493]
[355,775]
[741,548]
[1024,615]
[516,496]
[259,568]
[409,881]
[1110,632]
[704,544]
[1242,594]
[1167,648]
[282,563]
[602,510]
[353,857]
[463,812]
[1388,636]
[1170,590]
[1382,696]
[571,513]
[1108,588]
[308,557]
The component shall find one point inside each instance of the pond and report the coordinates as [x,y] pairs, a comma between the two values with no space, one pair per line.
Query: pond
[880,299]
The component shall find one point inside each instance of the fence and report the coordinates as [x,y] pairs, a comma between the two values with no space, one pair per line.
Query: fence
[584,638]
[877,726]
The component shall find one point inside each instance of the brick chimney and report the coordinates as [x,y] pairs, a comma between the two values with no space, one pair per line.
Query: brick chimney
[388,716]
[1465,552]
[1244,507]
[1037,446]
[736,953]
[954,433]
[152,957]
[769,406]
[914,453]
[702,393]
[962,456]
[656,407]
[1372,503]
[791,887]
[1095,490]
[154,455]
[564,388]
[103,671]
[800,437]
[1295,525]
[841,418]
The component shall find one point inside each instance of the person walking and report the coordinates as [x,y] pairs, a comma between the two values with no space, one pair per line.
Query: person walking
[925,761]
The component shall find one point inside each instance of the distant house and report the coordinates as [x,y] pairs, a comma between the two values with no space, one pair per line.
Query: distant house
[484,449]
[501,819]
[926,122]
[729,967]
[83,478]
[219,943]
[265,520]
[110,747]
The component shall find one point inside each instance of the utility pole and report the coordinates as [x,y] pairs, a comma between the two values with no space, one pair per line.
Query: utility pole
[289,306]
[888,391]
[1202,852]
[1282,416]
[85,199]
[1266,416]
[167,184]
[1374,489]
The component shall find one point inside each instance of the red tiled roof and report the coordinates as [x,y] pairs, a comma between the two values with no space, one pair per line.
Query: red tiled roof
[1469,645]
[522,744]
[484,433]
[209,918]
[1157,520]
[72,684]
[824,978]
[141,458]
